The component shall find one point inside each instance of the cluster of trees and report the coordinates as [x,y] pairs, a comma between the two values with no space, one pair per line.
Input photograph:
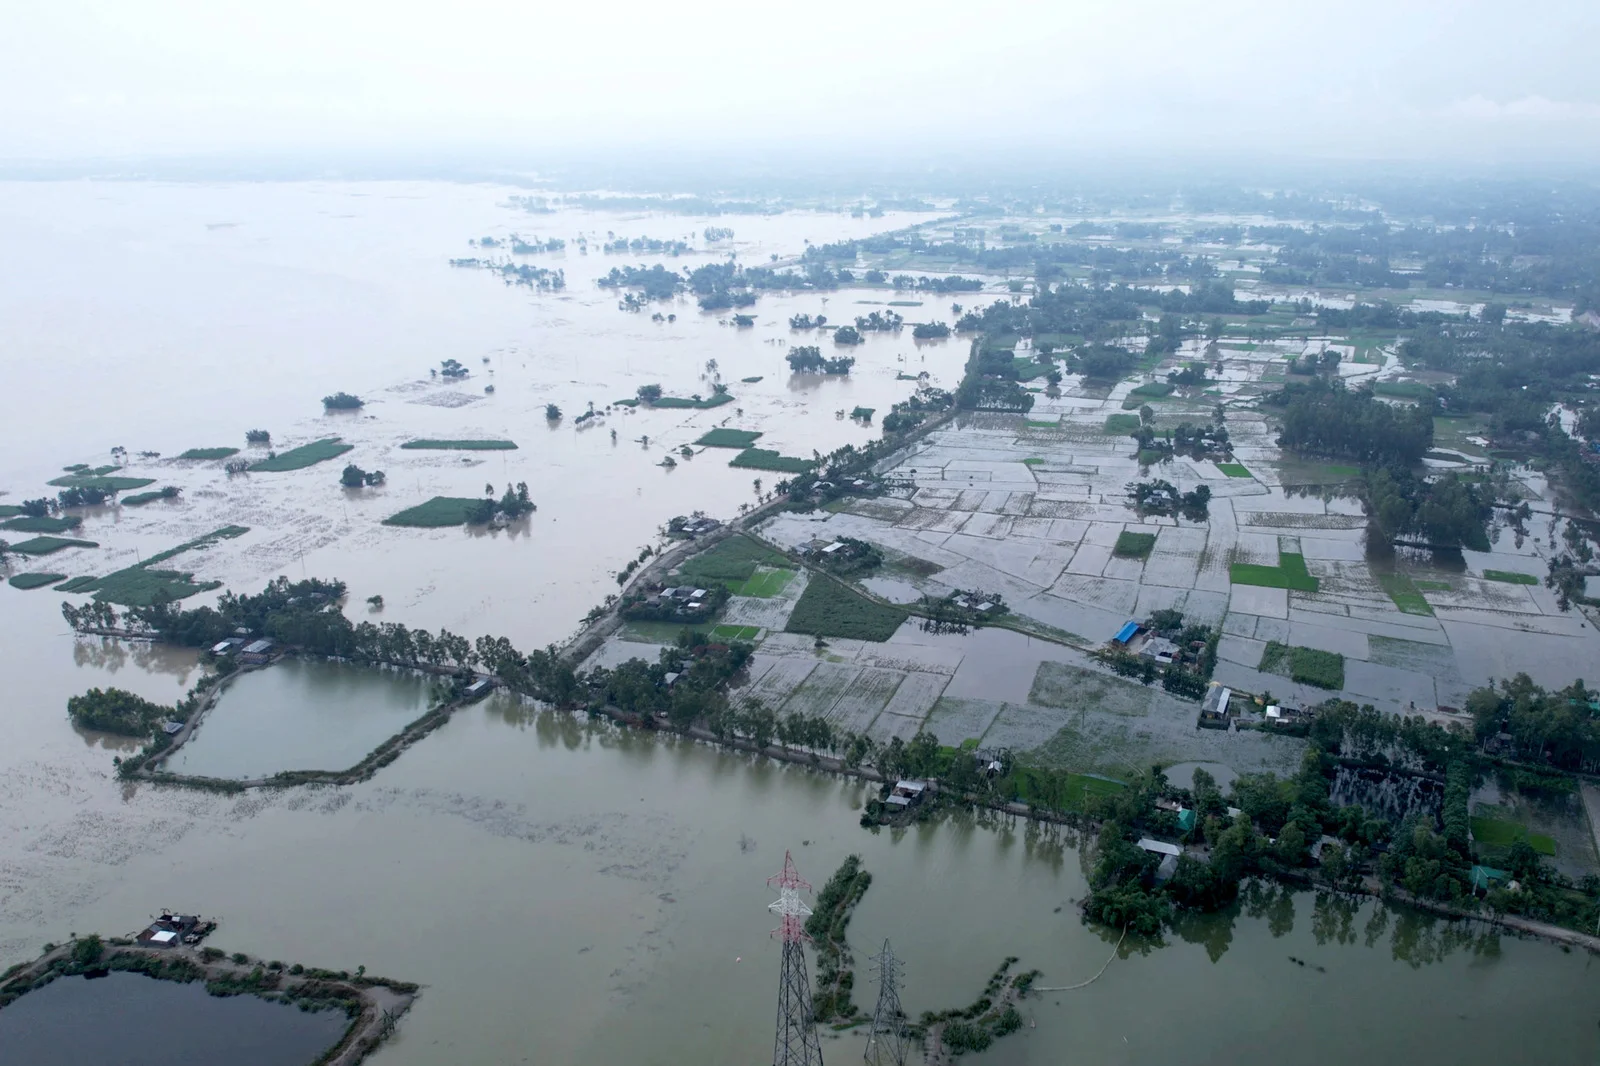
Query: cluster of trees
[354,477]
[257,436]
[930,331]
[1324,418]
[652,283]
[1102,362]
[513,504]
[990,382]
[808,359]
[644,246]
[1560,728]
[807,322]
[1444,512]
[450,368]
[848,335]
[879,322]
[342,401]
[115,710]
[1160,497]
[519,246]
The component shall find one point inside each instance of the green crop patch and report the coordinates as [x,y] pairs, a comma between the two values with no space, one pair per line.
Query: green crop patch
[143,584]
[101,482]
[1153,390]
[732,562]
[1121,425]
[765,583]
[42,524]
[728,438]
[716,399]
[1433,586]
[1040,424]
[1033,460]
[317,451]
[8,510]
[78,584]
[1501,833]
[139,499]
[209,453]
[1510,577]
[1402,390]
[751,380]
[1134,545]
[49,545]
[437,513]
[1405,594]
[829,608]
[1290,573]
[762,459]
[1233,469]
[460,445]
[1308,666]
[729,634]
[35,581]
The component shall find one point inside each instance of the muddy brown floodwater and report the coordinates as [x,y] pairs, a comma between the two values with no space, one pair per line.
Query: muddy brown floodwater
[565,894]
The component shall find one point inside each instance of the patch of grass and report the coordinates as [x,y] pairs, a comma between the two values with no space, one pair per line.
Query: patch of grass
[141,585]
[732,633]
[1033,460]
[1308,666]
[1497,832]
[460,445]
[139,499]
[1233,469]
[1121,425]
[752,380]
[765,583]
[35,581]
[47,545]
[102,482]
[1402,390]
[1040,424]
[1403,591]
[78,584]
[1510,577]
[1134,545]
[437,513]
[43,524]
[1028,369]
[732,562]
[829,608]
[1153,389]
[1433,586]
[728,438]
[8,510]
[762,459]
[1033,786]
[1149,457]
[318,451]
[1290,573]
[209,453]
[863,414]
[716,399]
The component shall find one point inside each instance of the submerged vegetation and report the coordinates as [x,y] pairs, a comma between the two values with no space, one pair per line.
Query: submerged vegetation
[114,710]
[317,451]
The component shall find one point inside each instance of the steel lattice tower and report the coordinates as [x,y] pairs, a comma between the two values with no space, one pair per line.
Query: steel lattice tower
[886,1043]
[796,1043]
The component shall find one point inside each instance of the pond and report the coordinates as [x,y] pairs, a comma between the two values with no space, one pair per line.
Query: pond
[301,714]
[132,1020]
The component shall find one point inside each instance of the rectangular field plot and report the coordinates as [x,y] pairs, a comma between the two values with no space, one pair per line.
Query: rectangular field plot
[821,689]
[778,683]
[864,699]
[765,582]
[916,695]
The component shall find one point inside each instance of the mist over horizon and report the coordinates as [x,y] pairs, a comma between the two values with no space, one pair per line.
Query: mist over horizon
[890,91]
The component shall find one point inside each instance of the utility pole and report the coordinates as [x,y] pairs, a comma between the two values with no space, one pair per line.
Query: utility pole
[796,1043]
[886,1043]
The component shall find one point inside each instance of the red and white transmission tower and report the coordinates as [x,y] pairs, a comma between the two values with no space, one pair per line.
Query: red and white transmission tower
[796,1043]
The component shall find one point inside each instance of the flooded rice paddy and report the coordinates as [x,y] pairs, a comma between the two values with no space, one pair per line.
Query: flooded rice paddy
[138,1021]
[301,715]
[569,894]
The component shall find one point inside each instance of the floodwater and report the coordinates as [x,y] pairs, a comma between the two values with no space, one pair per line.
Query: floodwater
[301,715]
[132,1020]
[565,894]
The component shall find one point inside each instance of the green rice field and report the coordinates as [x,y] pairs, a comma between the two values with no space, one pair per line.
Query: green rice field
[1405,594]
[762,459]
[436,513]
[209,453]
[42,524]
[1497,832]
[35,581]
[831,609]
[1233,469]
[49,545]
[1134,545]
[1510,577]
[460,445]
[732,633]
[728,438]
[732,562]
[1290,573]
[765,583]
[317,451]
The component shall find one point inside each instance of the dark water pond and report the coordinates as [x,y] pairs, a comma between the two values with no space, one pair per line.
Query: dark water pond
[125,1019]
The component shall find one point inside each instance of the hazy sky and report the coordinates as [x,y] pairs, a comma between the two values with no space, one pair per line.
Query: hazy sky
[1457,80]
